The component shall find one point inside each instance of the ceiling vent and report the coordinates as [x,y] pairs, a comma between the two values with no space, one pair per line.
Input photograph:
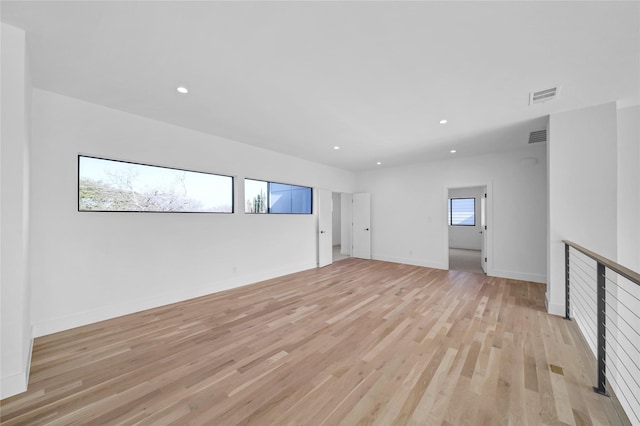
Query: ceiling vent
[538,136]
[543,95]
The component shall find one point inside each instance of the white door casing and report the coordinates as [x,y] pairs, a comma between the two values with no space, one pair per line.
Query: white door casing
[483,230]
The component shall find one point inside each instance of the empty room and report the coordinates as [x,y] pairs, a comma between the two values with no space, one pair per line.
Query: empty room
[320,213]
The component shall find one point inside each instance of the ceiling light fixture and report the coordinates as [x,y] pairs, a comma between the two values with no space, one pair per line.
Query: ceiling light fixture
[443,121]
[336,147]
[379,162]
[182,90]
[453,151]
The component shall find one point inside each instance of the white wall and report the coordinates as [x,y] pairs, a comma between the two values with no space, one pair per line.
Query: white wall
[15,342]
[629,187]
[467,237]
[336,218]
[409,210]
[89,266]
[628,246]
[582,189]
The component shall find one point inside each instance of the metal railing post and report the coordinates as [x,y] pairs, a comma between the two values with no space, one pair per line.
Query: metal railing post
[602,330]
[567,308]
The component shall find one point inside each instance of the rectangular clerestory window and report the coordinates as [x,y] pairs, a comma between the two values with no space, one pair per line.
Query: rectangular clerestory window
[120,186]
[277,198]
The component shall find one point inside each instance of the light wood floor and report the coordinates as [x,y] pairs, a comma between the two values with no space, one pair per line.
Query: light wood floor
[357,342]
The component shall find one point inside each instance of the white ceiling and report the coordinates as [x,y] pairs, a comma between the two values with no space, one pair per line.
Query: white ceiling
[374,78]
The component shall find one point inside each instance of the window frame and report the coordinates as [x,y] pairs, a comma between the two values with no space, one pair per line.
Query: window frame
[79,156]
[450,212]
[268,194]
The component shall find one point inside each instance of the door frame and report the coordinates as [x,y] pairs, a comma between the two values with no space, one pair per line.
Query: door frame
[488,234]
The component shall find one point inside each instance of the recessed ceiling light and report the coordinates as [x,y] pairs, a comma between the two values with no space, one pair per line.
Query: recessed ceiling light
[443,121]
[336,147]
[453,151]
[182,89]
[379,162]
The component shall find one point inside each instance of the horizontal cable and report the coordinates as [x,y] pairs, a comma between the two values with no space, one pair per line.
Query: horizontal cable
[582,258]
[623,350]
[623,289]
[592,328]
[620,303]
[591,298]
[575,254]
[585,261]
[619,344]
[622,318]
[624,364]
[613,322]
[575,266]
[625,382]
[587,331]
[581,284]
[587,282]
[589,334]
[611,280]
[590,302]
[592,306]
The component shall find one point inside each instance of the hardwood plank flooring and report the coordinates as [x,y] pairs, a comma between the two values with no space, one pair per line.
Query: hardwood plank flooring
[355,343]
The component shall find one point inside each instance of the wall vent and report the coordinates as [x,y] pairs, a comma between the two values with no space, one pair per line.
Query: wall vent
[538,136]
[543,95]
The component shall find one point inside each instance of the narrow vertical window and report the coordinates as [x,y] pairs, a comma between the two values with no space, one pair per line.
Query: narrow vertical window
[255,193]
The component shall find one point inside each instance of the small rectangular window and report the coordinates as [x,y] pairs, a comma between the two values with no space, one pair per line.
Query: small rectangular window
[462,212]
[273,197]
[255,194]
[119,186]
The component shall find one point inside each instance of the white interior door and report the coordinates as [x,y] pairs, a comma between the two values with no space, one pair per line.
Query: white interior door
[483,231]
[325,239]
[362,225]
[346,204]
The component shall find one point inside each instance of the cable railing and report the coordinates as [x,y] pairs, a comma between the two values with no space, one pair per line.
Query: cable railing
[603,297]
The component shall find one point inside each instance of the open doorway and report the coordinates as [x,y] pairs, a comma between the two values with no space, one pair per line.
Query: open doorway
[341,225]
[335,230]
[467,229]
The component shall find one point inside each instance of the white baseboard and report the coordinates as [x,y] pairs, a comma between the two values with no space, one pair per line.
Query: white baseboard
[13,384]
[17,383]
[409,261]
[554,308]
[54,325]
[521,276]
[29,354]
